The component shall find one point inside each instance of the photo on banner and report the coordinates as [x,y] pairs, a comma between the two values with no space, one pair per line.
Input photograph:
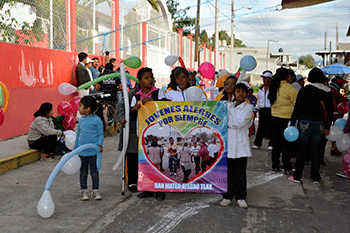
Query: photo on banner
[174,138]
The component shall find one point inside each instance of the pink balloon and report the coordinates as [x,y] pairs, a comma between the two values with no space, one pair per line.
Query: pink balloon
[342,108]
[64,108]
[2,116]
[75,103]
[69,122]
[207,70]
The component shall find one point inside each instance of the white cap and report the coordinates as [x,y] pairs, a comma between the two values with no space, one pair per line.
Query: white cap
[88,60]
[267,74]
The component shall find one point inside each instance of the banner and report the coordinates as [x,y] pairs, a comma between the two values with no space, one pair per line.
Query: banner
[174,139]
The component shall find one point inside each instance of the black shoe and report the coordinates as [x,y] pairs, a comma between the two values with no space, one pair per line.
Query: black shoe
[160,196]
[335,152]
[145,194]
[133,188]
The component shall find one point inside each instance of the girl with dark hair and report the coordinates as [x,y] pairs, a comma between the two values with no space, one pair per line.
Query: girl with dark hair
[229,85]
[42,134]
[240,115]
[178,85]
[282,96]
[314,112]
[90,130]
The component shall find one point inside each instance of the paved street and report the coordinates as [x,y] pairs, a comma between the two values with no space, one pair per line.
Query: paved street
[276,204]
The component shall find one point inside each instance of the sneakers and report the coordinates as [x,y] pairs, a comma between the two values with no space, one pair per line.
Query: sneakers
[242,203]
[174,173]
[145,194]
[84,195]
[225,202]
[171,173]
[96,194]
[275,170]
[343,174]
[315,181]
[293,180]
[269,148]
[256,147]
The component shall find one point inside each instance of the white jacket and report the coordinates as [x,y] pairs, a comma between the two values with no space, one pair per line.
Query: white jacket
[263,101]
[239,121]
[179,95]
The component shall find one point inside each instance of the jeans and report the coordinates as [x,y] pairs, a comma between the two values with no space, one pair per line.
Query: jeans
[280,144]
[173,163]
[310,135]
[197,161]
[85,162]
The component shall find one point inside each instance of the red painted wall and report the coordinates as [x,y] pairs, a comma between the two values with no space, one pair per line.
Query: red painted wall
[32,76]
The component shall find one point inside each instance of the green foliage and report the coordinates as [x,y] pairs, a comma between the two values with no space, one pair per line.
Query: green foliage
[224,36]
[179,16]
[8,25]
[307,61]
[203,36]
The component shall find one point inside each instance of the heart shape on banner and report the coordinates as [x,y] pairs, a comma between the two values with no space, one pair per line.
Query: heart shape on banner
[187,137]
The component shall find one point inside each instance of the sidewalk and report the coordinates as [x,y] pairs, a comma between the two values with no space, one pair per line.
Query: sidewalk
[15,152]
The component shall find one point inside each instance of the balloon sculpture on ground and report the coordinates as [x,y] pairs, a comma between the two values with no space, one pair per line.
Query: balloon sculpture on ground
[69,164]
[4,101]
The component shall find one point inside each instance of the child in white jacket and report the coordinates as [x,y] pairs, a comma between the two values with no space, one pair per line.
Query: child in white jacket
[240,115]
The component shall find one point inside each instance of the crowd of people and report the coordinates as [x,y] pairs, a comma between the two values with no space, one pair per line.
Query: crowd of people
[282,100]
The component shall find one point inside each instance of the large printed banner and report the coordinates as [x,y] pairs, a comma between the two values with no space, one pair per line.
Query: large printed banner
[174,138]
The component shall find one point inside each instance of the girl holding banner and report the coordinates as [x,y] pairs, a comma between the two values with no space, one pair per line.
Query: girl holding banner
[240,114]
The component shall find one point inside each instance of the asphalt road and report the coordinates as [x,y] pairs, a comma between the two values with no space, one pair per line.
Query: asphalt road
[275,204]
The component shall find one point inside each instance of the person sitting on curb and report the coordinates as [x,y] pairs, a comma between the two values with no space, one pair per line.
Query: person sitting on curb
[42,134]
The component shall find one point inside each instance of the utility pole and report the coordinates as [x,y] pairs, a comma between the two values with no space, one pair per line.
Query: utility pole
[197,40]
[216,57]
[268,52]
[232,35]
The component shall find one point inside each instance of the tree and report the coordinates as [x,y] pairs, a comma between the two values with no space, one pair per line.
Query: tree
[8,25]
[179,16]
[307,61]
[224,36]
[203,36]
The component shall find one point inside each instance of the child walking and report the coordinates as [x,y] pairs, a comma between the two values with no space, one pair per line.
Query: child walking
[90,130]
[240,114]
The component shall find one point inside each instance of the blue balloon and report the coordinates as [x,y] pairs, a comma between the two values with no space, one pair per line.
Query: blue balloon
[340,123]
[291,133]
[70,155]
[248,63]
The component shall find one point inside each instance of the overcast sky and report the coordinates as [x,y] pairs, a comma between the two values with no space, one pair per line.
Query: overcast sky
[300,31]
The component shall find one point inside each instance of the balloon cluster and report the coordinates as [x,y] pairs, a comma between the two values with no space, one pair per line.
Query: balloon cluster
[336,134]
[4,101]
[67,109]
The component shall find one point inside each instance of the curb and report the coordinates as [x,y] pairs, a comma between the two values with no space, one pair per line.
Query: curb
[18,160]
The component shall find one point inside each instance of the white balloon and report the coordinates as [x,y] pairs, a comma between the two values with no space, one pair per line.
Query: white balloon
[334,133]
[209,88]
[194,94]
[343,143]
[171,60]
[72,166]
[46,206]
[70,133]
[70,139]
[66,89]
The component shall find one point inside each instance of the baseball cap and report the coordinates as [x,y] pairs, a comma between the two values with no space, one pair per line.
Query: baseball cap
[298,77]
[88,60]
[267,74]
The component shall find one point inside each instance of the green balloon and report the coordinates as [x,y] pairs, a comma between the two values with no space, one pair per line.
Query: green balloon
[105,77]
[132,62]
[1,97]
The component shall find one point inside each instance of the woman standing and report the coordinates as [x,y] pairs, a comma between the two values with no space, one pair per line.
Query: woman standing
[42,134]
[185,161]
[282,97]
[314,111]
